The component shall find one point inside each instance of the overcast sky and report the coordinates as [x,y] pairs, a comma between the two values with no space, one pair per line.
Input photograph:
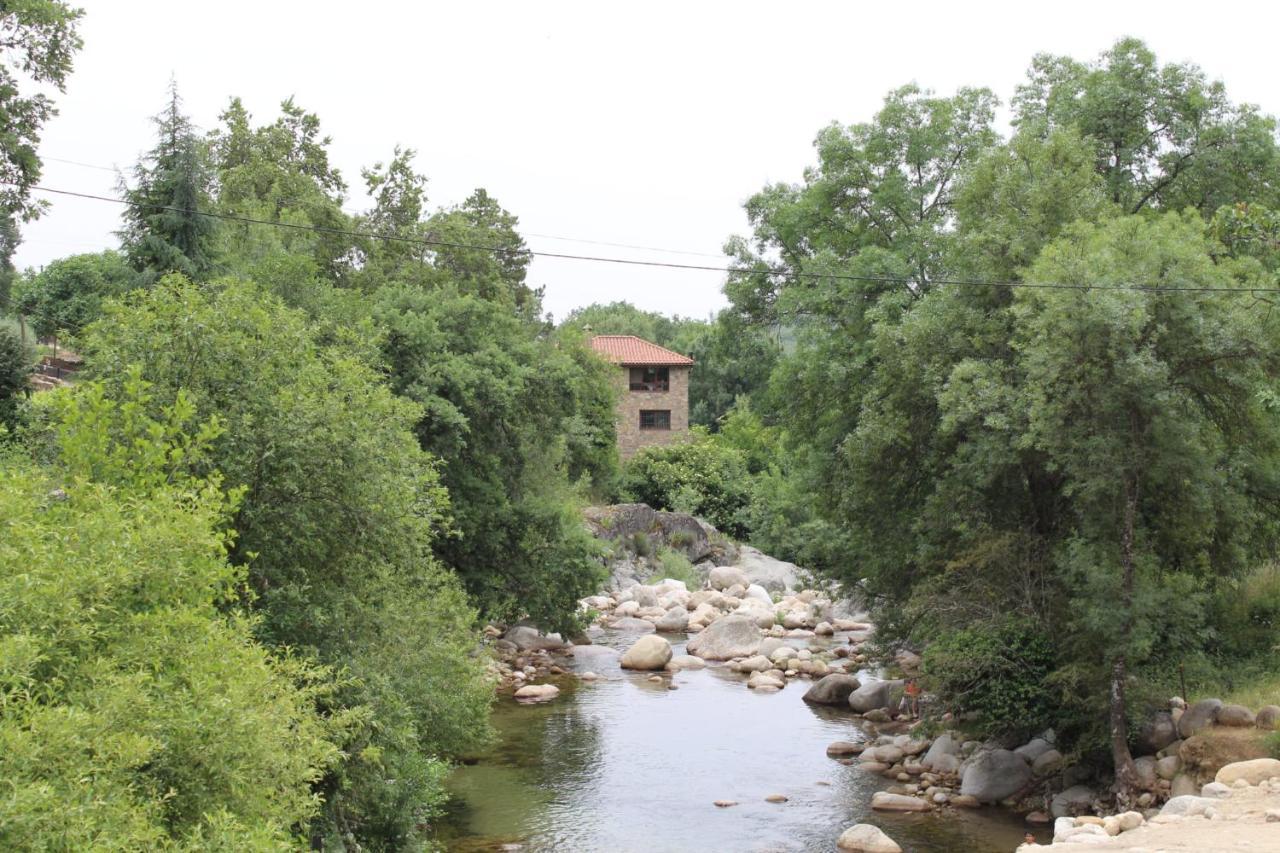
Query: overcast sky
[642,124]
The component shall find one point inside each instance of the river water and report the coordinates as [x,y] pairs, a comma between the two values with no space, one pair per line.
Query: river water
[624,764]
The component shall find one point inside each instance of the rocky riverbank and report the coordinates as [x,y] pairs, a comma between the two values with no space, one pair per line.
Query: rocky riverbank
[776,635]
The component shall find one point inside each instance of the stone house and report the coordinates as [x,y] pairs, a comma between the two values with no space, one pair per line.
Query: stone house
[653,406]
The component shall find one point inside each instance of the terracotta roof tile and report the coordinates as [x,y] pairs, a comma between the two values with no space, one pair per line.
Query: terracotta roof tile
[628,350]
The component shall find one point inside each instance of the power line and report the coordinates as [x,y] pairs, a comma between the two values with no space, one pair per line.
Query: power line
[770,271]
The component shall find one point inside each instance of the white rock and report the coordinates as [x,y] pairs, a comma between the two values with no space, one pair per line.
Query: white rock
[537,693]
[649,652]
[865,838]
[1253,772]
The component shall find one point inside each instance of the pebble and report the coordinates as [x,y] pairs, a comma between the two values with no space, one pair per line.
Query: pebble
[776,798]
[724,804]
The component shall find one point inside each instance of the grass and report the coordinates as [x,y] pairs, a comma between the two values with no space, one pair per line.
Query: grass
[677,567]
[1253,693]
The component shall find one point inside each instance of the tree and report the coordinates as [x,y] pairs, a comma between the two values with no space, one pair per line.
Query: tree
[1164,136]
[164,226]
[339,513]
[137,710]
[38,40]
[17,357]
[68,294]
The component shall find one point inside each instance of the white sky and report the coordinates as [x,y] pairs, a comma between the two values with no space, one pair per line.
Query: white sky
[644,123]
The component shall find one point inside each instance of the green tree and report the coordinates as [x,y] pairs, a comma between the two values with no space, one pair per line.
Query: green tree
[67,295]
[38,40]
[17,358]
[339,513]
[1163,135]
[701,477]
[136,709]
[164,229]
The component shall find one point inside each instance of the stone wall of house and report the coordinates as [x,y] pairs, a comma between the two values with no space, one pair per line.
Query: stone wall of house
[630,437]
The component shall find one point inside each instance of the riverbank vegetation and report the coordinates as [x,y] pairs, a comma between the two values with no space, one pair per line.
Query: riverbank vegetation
[1017,393]
[1029,388]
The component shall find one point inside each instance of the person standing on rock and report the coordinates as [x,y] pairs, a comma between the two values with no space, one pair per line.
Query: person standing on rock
[911,699]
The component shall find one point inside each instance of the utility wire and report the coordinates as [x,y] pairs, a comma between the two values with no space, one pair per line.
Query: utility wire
[771,271]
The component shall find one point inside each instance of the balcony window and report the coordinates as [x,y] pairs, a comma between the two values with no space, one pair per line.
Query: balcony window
[655,419]
[650,379]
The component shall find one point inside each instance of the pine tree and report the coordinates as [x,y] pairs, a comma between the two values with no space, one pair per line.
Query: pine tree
[164,228]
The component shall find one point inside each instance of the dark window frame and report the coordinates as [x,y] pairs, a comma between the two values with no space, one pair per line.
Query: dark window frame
[641,378]
[659,419]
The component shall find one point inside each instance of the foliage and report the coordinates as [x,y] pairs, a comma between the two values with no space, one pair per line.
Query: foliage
[67,295]
[699,477]
[136,709]
[676,566]
[16,361]
[516,421]
[164,230]
[339,511]
[1247,613]
[996,674]
[38,40]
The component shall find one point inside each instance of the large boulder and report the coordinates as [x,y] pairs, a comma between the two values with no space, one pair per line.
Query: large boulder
[942,745]
[1033,749]
[1199,716]
[832,689]
[877,695]
[755,592]
[995,774]
[728,637]
[673,621]
[1253,772]
[623,523]
[723,577]
[1157,732]
[865,838]
[1237,716]
[1145,768]
[527,638]
[759,568]
[1187,806]
[1046,763]
[651,652]
[537,693]
[1078,799]
[1268,717]
[632,625]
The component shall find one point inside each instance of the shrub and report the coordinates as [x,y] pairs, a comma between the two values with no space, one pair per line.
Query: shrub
[136,710]
[639,543]
[698,477]
[677,567]
[995,671]
[1247,613]
[16,360]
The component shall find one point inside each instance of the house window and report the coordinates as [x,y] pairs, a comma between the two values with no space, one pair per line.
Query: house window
[650,379]
[655,419]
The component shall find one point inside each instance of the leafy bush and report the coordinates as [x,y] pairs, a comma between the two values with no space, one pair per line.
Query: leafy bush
[1247,613]
[698,477]
[639,543]
[136,710]
[677,567]
[68,294]
[996,672]
[16,360]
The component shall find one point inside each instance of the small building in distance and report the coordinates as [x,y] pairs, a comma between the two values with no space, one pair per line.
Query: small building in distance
[653,407]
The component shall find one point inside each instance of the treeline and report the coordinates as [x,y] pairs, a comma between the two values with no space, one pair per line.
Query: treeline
[246,553]
[1030,407]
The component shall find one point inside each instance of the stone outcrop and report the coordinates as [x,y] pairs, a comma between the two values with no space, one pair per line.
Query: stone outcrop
[992,775]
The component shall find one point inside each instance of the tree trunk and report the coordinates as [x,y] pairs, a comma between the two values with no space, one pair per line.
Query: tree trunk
[1126,774]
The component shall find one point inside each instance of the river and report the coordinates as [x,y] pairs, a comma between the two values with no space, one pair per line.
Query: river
[624,764]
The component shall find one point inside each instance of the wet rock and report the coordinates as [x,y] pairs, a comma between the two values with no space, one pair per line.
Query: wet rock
[537,693]
[1236,716]
[995,774]
[823,629]
[764,680]
[844,747]
[1253,772]
[886,802]
[1199,716]
[726,638]
[755,663]
[725,804]
[965,801]
[589,676]
[942,745]
[865,838]
[632,625]
[832,690]
[776,798]
[648,653]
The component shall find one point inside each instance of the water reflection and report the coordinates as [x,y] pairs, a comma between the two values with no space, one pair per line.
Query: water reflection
[625,764]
